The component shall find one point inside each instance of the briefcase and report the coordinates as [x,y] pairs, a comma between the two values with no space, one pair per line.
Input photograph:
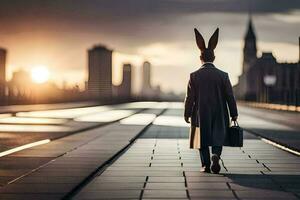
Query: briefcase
[195,137]
[235,133]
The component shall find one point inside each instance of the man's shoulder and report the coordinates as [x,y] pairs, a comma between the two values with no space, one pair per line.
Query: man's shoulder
[221,72]
[195,72]
[216,70]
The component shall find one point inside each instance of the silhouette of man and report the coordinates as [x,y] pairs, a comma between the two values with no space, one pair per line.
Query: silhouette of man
[209,93]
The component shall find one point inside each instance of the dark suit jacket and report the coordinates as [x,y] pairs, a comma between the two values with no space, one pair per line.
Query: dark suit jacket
[209,93]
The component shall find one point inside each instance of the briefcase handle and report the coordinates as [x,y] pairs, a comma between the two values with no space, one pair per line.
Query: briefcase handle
[235,123]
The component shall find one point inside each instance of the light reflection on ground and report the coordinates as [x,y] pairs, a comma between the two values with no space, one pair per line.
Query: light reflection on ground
[4,115]
[31,120]
[108,116]
[175,121]
[138,119]
[144,105]
[176,105]
[64,113]
[139,105]
[33,128]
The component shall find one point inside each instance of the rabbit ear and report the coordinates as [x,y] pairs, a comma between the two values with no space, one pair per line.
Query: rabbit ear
[199,40]
[213,41]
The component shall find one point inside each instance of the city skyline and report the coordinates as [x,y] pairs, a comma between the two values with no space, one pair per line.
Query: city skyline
[61,45]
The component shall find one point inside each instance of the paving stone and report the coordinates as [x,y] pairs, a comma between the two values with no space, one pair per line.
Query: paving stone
[164,199]
[220,194]
[204,179]
[253,185]
[64,173]
[165,186]
[37,188]
[122,179]
[266,194]
[177,164]
[170,194]
[283,165]
[207,186]
[165,180]
[142,173]
[109,194]
[98,186]
[49,180]
[198,174]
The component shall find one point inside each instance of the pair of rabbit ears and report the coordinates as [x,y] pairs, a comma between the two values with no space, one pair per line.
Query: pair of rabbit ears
[213,41]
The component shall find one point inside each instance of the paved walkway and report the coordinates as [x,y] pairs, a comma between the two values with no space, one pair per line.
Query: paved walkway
[279,126]
[167,169]
[158,165]
[31,107]
[53,170]
[160,168]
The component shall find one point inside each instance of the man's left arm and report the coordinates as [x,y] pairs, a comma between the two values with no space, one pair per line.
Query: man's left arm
[189,101]
[230,99]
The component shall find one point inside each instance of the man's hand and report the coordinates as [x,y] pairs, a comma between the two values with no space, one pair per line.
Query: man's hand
[187,119]
[234,118]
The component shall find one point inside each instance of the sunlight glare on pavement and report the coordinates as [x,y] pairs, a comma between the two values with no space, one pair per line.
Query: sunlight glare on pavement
[175,121]
[138,119]
[31,120]
[108,116]
[64,113]
[33,128]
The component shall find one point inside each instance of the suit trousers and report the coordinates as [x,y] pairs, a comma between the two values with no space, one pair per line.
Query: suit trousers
[205,155]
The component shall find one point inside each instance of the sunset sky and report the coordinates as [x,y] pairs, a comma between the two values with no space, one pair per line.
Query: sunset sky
[57,33]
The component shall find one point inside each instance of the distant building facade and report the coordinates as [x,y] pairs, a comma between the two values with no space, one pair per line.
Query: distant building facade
[20,86]
[148,90]
[100,72]
[126,83]
[264,79]
[2,73]
[146,84]
[123,91]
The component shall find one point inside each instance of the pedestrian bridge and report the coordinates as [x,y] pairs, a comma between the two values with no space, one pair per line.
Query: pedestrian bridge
[140,151]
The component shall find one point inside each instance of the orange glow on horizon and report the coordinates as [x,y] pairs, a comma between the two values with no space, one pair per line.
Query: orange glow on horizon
[40,74]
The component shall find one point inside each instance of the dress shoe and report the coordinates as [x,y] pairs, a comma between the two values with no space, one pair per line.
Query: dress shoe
[205,170]
[215,167]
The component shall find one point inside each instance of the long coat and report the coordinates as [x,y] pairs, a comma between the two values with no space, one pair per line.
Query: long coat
[209,95]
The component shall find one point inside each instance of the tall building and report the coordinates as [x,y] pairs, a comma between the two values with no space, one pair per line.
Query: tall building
[126,83]
[250,49]
[148,91]
[100,72]
[123,91]
[264,79]
[2,73]
[146,85]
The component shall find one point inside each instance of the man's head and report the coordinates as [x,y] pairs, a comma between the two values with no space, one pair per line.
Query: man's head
[207,54]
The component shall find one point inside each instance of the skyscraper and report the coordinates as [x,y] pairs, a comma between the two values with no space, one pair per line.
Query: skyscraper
[146,76]
[2,73]
[126,83]
[100,72]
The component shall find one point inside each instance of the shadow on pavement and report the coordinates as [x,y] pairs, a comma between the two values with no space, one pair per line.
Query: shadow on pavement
[278,182]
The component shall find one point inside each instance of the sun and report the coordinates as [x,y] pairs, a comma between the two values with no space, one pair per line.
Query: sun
[40,74]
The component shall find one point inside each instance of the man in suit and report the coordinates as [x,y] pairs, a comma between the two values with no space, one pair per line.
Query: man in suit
[209,93]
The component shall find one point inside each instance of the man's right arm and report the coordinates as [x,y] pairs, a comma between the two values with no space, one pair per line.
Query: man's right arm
[230,99]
